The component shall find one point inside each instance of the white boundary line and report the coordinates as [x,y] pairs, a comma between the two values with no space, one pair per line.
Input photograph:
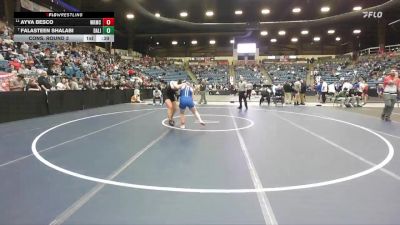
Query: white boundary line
[75,139]
[266,208]
[251,123]
[395,176]
[390,135]
[222,191]
[66,214]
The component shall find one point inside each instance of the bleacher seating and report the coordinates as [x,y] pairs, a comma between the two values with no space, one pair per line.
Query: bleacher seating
[213,74]
[281,73]
[250,73]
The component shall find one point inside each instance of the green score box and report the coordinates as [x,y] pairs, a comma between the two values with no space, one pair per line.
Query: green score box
[108,30]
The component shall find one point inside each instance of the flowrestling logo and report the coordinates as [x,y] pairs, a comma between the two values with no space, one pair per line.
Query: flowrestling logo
[374,15]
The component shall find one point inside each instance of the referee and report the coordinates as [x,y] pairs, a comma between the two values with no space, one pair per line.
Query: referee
[242,88]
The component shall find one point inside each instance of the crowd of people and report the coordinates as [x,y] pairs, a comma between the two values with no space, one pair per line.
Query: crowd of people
[66,66]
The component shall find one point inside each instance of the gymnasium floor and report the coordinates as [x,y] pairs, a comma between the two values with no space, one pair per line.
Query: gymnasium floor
[268,165]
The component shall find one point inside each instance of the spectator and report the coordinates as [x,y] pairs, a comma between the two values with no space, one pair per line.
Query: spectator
[347,85]
[391,87]
[74,84]
[324,90]
[63,84]
[24,47]
[287,88]
[249,88]
[363,88]
[203,90]
[33,85]
[107,85]
[297,89]
[44,82]
[18,83]
[318,89]
[157,96]
[303,91]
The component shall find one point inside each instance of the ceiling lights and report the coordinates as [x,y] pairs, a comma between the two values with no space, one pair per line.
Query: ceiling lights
[356,31]
[238,12]
[264,33]
[265,11]
[273,40]
[174,42]
[338,39]
[232,41]
[325,9]
[331,31]
[194,42]
[357,8]
[183,14]
[317,39]
[295,39]
[130,16]
[304,32]
[282,32]
[212,42]
[296,10]
[209,13]
[157,15]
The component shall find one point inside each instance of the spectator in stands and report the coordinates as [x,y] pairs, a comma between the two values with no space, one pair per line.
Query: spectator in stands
[74,84]
[297,89]
[107,85]
[33,85]
[157,95]
[249,88]
[17,84]
[203,90]
[242,88]
[324,90]
[63,84]
[303,91]
[1,56]
[44,81]
[24,47]
[23,70]
[391,87]
[287,88]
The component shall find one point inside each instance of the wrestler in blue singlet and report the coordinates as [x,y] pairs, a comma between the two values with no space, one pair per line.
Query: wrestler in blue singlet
[186,97]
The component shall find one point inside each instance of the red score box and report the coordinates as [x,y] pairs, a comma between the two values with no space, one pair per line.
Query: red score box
[108,21]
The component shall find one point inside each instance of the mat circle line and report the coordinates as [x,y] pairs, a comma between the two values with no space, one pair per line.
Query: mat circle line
[215,191]
[251,123]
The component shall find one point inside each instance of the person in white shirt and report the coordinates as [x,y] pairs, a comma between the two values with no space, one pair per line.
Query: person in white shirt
[242,88]
[157,95]
[324,90]
[63,85]
[347,85]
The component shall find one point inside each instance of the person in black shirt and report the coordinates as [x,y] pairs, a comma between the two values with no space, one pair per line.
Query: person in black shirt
[303,90]
[44,82]
[287,88]
[203,89]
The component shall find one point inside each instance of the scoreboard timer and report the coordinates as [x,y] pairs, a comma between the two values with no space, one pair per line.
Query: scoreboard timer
[64,27]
